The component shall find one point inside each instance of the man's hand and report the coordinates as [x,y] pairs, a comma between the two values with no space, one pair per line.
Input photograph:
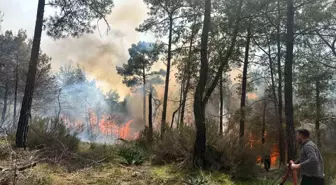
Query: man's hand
[291,162]
[295,166]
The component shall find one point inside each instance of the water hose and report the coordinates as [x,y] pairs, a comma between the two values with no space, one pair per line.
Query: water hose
[294,175]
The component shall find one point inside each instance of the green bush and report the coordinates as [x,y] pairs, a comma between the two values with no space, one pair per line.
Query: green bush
[175,146]
[51,133]
[222,152]
[131,154]
[330,167]
[199,178]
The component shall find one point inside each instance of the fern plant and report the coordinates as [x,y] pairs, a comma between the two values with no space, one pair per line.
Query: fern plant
[199,179]
[132,156]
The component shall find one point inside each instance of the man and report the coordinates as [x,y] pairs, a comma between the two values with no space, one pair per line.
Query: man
[267,162]
[310,162]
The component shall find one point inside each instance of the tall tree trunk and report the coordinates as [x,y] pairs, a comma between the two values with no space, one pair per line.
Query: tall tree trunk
[289,82]
[25,114]
[188,72]
[244,85]
[199,105]
[184,96]
[150,117]
[318,114]
[280,114]
[5,103]
[221,96]
[59,104]
[181,99]
[144,92]
[263,130]
[165,98]
[15,91]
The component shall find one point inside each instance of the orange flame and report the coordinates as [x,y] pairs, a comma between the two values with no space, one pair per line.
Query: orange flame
[103,125]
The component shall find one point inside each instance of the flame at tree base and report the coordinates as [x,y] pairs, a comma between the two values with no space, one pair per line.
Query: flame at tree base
[103,128]
[274,156]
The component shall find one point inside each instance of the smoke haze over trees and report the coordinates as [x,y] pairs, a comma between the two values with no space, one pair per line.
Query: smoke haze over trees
[208,84]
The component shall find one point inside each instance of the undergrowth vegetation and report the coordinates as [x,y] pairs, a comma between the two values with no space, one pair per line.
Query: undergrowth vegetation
[166,160]
[223,153]
[330,167]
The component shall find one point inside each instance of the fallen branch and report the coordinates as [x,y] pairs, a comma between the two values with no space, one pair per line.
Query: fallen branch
[123,140]
[22,168]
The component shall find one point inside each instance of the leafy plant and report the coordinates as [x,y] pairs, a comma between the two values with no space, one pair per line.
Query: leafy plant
[132,155]
[199,179]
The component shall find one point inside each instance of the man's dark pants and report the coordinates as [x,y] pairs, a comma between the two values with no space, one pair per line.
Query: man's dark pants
[312,181]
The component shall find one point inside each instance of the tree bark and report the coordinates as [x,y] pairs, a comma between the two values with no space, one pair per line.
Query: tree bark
[25,114]
[263,130]
[150,117]
[144,92]
[165,98]
[318,114]
[16,91]
[280,114]
[181,100]
[221,96]
[199,105]
[289,82]
[59,104]
[188,72]
[5,103]
[244,85]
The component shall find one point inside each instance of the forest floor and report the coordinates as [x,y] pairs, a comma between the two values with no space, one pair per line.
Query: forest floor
[44,174]
[31,170]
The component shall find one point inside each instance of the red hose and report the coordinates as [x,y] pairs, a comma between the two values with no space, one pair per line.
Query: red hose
[294,177]
[284,179]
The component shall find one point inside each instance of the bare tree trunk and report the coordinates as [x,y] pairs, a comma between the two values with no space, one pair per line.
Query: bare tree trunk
[318,114]
[188,72]
[5,103]
[280,104]
[280,114]
[289,82]
[263,130]
[25,114]
[221,105]
[199,105]
[144,93]
[16,91]
[150,117]
[244,85]
[185,95]
[173,117]
[181,99]
[165,98]
[59,104]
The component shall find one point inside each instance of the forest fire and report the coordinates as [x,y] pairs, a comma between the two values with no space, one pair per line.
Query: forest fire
[274,156]
[104,126]
[274,151]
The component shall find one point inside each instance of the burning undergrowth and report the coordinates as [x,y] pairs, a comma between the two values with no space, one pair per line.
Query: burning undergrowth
[93,115]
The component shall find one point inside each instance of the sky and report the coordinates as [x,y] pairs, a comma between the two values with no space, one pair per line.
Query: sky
[98,53]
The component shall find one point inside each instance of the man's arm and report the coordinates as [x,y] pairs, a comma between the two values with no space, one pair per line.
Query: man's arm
[312,158]
[310,162]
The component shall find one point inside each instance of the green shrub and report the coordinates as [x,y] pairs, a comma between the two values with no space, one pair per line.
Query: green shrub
[131,154]
[330,167]
[51,133]
[198,179]
[175,146]
[37,180]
